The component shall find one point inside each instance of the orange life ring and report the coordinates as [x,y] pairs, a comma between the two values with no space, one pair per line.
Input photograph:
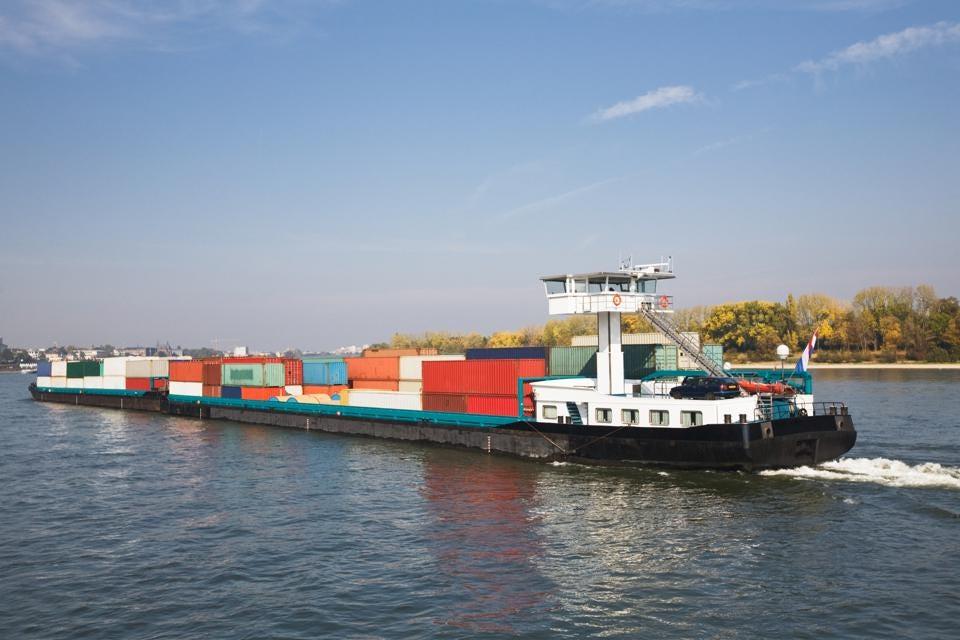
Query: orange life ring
[664,302]
[617,300]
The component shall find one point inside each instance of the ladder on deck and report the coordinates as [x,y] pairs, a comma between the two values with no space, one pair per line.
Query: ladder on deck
[669,329]
[574,413]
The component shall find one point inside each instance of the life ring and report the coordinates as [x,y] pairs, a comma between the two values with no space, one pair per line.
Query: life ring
[802,412]
[616,300]
[664,302]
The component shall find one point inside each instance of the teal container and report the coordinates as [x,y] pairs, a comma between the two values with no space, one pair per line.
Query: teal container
[667,357]
[84,368]
[714,352]
[573,361]
[253,374]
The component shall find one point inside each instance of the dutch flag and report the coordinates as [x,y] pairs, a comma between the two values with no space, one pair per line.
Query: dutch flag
[804,360]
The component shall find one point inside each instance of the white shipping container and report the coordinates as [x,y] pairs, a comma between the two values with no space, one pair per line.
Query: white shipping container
[93,382]
[385,399]
[411,367]
[636,338]
[74,383]
[58,369]
[44,381]
[293,390]
[148,368]
[186,388]
[411,386]
[58,382]
[115,366]
[114,382]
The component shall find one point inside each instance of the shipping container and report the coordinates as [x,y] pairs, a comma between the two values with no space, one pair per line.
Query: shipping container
[178,388]
[293,389]
[74,383]
[324,372]
[44,369]
[394,353]
[115,366]
[260,393]
[488,377]
[186,371]
[139,384]
[211,372]
[230,392]
[251,359]
[496,405]
[159,384]
[714,352]
[148,368]
[382,385]
[410,386]
[44,381]
[445,402]
[375,368]
[411,367]
[211,391]
[573,361]
[292,371]
[385,399]
[507,353]
[93,382]
[83,368]
[637,338]
[58,382]
[253,374]
[58,369]
[330,390]
[114,382]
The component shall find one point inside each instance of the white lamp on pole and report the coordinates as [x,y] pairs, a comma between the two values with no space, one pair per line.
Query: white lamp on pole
[783,352]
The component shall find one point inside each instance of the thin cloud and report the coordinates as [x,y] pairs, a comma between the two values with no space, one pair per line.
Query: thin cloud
[656,99]
[887,46]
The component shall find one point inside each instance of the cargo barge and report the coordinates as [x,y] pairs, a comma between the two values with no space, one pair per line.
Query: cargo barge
[605,419]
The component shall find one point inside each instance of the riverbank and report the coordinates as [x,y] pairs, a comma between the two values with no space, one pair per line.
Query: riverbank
[854,365]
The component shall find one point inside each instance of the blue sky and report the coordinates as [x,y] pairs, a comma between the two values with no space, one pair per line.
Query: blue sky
[292,173]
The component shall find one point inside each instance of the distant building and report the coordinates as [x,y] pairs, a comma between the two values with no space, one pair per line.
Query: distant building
[240,352]
[2,345]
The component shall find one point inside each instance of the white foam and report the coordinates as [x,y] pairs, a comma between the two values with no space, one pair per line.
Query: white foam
[891,473]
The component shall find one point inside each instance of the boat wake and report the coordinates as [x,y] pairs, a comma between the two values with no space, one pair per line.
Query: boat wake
[891,473]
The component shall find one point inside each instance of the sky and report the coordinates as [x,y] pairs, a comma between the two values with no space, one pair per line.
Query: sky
[293,173]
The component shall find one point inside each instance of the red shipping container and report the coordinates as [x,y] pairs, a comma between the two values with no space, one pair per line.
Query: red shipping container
[260,393]
[480,377]
[445,402]
[211,391]
[186,370]
[212,372]
[380,385]
[138,384]
[328,389]
[292,371]
[159,384]
[385,368]
[496,405]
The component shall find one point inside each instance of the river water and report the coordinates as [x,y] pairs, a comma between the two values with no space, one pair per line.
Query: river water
[124,525]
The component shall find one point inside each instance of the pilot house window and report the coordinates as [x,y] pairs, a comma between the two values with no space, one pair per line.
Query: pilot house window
[604,415]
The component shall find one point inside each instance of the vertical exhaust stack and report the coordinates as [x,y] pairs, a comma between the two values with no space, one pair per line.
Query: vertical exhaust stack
[609,294]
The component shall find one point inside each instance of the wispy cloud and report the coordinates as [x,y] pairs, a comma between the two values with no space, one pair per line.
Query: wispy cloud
[656,99]
[546,203]
[63,27]
[887,46]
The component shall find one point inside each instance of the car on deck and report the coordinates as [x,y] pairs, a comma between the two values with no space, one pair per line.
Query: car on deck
[706,388]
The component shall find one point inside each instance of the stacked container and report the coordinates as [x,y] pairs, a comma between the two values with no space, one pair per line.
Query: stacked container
[479,386]
[411,370]
[324,375]
[186,378]
[260,378]
[374,372]
[639,360]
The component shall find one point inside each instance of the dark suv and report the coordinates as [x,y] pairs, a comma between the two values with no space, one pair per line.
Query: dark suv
[698,388]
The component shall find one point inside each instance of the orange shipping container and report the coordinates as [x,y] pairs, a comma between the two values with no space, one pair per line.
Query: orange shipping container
[496,405]
[212,372]
[292,371]
[211,391]
[260,393]
[138,384]
[378,368]
[328,389]
[379,385]
[186,371]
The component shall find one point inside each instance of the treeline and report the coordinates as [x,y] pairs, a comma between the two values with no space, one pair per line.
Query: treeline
[880,323]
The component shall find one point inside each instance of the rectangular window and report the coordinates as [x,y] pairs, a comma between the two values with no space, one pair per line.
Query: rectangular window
[549,412]
[630,416]
[659,418]
[727,418]
[743,417]
[691,418]
[604,416]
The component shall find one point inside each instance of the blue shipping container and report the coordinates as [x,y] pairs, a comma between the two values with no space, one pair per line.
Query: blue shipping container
[508,353]
[230,392]
[44,368]
[324,372]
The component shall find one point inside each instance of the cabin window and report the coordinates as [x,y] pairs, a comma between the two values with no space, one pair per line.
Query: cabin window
[691,418]
[580,286]
[556,286]
[727,418]
[604,415]
[630,416]
[549,412]
[659,418]
[648,286]
[743,417]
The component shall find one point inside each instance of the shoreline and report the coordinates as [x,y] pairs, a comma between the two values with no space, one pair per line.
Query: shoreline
[853,365]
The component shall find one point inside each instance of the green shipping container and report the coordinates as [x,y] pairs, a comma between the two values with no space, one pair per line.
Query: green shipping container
[639,360]
[667,357]
[573,361]
[714,352]
[84,368]
[253,375]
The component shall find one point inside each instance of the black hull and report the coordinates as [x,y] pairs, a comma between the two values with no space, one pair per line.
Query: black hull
[792,442]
